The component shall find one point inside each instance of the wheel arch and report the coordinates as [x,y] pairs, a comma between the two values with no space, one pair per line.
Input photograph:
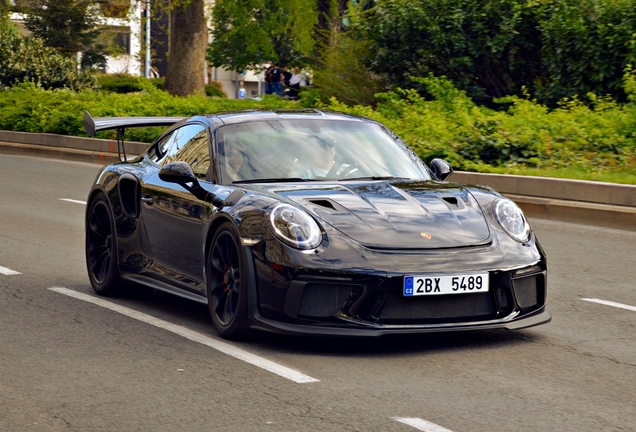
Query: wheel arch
[93,195]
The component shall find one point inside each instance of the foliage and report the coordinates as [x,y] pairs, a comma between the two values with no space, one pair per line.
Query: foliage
[33,109]
[486,47]
[494,48]
[586,46]
[527,135]
[341,72]
[28,60]
[596,141]
[248,33]
[69,26]
[124,83]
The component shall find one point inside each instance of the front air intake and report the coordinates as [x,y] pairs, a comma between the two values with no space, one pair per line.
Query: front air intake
[529,291]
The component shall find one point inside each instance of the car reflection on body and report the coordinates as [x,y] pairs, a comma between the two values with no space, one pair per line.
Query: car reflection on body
[309,222]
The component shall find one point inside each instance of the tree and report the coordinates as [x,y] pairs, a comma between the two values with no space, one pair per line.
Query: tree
[26,59]
[489,48]
[69,26]
[188,44]
[248,33]
[341,71]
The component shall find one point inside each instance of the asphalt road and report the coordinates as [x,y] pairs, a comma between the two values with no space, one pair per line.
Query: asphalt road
[70,365]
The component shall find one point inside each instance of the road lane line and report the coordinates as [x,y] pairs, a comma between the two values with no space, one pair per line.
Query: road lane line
[225,348]
[610,303]
[420,424]
[73,201]
[8,271]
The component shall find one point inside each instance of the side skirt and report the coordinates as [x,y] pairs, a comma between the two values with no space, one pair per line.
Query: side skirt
[162,286]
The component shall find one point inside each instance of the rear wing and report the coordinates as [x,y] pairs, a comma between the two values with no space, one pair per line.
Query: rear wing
[93,125]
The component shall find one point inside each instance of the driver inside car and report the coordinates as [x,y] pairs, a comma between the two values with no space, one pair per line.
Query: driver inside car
[320,161]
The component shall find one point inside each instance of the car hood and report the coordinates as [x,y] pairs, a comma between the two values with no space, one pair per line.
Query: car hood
[402,214]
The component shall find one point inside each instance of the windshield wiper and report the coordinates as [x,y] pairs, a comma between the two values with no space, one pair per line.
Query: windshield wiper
[375,178]
[273,180]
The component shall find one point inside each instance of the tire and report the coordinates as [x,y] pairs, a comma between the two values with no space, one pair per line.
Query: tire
[101,248]
[227,284]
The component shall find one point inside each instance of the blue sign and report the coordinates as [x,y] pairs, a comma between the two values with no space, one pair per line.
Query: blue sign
[408,286]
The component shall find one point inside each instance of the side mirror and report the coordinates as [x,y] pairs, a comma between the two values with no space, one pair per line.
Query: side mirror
[441,169]
[178,172]
[181,173]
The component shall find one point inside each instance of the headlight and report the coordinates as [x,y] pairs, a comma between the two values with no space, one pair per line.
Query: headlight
[295,227]
[512,220]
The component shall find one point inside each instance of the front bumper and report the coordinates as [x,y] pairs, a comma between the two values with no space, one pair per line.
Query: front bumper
[363,304]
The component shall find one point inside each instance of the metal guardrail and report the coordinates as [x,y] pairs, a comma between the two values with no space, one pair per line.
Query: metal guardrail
[578,201]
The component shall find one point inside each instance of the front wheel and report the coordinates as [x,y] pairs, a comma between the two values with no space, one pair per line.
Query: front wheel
[227,284]
[101,248]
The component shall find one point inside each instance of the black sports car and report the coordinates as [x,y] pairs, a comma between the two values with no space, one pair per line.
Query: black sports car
[309,222]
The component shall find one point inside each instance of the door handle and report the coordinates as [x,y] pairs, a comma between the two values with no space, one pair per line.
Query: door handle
[146,199]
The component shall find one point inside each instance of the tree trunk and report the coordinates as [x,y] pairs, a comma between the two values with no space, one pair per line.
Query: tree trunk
[188,45]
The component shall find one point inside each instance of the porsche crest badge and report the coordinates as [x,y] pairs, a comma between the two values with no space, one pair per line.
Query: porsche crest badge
[426,235]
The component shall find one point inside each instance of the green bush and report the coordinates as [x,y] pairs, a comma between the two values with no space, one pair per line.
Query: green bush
[586,46]
[488,48]
[30,108]
[26,59]
[342,73]
[496,48]
[528,135]
[124,83]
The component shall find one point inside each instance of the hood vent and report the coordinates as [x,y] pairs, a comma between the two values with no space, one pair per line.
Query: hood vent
[324,203]
[452,202]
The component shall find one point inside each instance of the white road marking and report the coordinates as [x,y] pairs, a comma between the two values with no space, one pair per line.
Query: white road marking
[225,348]
[611,303]
[73,201]
[420,424]
[8,271]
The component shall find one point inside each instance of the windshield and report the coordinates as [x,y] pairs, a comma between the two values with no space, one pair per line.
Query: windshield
[298,150]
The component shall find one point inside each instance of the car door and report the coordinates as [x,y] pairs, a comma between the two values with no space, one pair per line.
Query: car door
[174,219]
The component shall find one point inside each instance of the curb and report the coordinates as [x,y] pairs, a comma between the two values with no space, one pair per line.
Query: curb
[577,201]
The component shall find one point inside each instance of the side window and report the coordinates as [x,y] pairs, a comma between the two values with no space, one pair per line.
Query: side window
[196,151]
[158,151]
[190,145]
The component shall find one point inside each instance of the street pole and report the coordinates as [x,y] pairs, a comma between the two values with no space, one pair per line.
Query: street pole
[147,39]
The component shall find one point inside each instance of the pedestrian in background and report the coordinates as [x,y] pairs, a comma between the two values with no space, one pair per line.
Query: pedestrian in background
[276,75]
[268,79]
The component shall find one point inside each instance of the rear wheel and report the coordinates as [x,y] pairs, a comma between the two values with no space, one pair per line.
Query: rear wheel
[227,284]
[101,248]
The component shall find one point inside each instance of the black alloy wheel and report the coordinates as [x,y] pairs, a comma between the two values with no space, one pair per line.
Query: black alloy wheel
[227,284]
[101,248]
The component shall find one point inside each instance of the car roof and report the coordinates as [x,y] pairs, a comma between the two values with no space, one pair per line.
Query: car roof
[244,116]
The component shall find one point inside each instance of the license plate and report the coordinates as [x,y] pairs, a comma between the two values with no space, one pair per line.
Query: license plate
[445,284]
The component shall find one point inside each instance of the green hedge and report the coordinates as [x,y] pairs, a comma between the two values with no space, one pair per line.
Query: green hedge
[29,108]
[471,137]
[527,135]
[123,83]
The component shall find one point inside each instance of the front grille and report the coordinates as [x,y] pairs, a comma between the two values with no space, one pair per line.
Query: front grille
[528,291]
[320,300]
[459,307]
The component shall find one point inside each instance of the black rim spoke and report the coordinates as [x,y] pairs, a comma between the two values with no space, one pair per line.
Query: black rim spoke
[102,219]
[230,306]
[99,241]
[225,277]
[222,305]
[96,229]
[217,264]
[102,264]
